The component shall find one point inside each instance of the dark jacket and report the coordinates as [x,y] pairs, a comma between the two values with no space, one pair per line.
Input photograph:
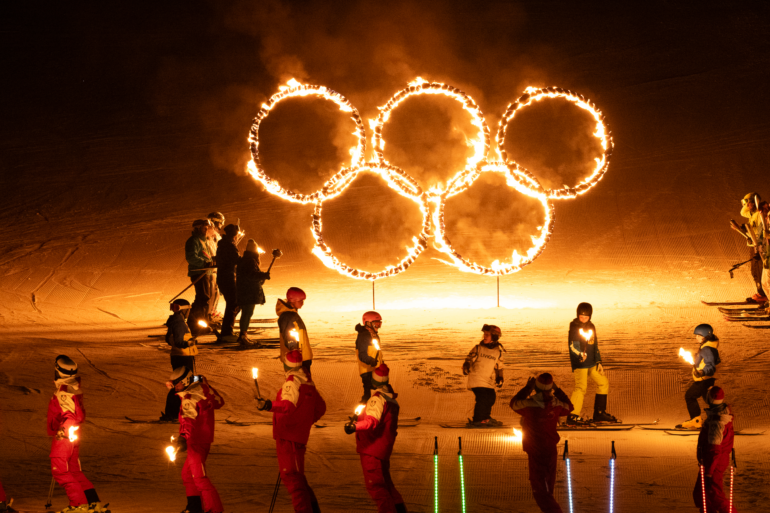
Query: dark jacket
[227,259]
[578,344]
[198,255]
[178,336]
[369,358]
[250,280]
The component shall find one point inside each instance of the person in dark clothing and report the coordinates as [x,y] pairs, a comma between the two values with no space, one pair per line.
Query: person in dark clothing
[183,351]
[249,280]
[227,258]
[369,354]
[200,262]
[703,374]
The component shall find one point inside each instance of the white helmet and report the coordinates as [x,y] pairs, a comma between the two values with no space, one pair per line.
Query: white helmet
[65,367]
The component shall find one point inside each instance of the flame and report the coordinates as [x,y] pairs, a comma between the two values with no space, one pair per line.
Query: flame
[171,451]
[294,334]
[586,334]
[687,355]
[203,324]
[72,431]
[359,409]
[376,343]
[254,372]
[518,436]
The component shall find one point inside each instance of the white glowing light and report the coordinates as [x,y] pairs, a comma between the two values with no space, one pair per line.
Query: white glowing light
[203,324]
[376,344]
[254,372]
[72,433]
[517,435]
[687,356]
[294,334]
[586,334]
[359,409]
[171,451]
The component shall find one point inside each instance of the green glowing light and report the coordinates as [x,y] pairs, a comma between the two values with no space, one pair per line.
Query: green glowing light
[435,483]
[462,482]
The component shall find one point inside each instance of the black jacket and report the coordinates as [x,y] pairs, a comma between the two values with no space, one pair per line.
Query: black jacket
[250,280]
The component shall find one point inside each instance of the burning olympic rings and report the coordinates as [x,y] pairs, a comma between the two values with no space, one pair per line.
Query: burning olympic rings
[516,176]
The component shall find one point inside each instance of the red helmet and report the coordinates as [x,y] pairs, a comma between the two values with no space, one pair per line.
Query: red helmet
[295,294]
[371,317]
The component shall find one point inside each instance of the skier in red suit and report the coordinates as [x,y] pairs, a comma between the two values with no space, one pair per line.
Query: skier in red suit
[66,414]
[715,444]
[296,408]
[540,414]
[376,429]
[196,434]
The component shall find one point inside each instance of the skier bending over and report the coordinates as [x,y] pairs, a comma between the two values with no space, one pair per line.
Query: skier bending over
[291,328]
[750,210]
[376,429]
[703,373]
[484,368]
[183,351]
[715,444]
[539,418]
[196,434]
[586,363]
[297,407]
[369,356]
[66,413]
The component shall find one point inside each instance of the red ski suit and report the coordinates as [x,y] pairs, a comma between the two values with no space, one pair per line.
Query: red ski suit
[196,424]
[296,408]
[376,431]
[539,418]
[65,411]
[2,493]
[715,444]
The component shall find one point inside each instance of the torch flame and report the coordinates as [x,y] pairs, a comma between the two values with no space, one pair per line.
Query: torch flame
[254,372]
[203,324]
[687,355]
[171,451]
[586,334]
[376,344]
[517,435]
[359,409]
[294,334]
[72,434]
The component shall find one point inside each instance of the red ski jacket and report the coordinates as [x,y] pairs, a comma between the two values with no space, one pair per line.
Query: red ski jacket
[196,416]
[539,419]
[296,408]
[65,410]
[715,442]
[377,426]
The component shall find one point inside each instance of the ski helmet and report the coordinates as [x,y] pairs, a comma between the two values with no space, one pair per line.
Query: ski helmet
[182,375]
[231,230]
[371,316]
[292,360]
[704,330]
[201,222]
[180,304]
[715,396]
[216,217]
[750,197]
[295,294]
[381,376]
[65,367]
[544,381]
[493,330]
[585,309]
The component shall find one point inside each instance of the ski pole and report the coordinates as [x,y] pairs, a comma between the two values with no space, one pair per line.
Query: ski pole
[703,486]
[275,493]
[462,473]
[190,285]
[569,477]
[732,476]
[613,457]
[435,474]
[50,493]
[736,266]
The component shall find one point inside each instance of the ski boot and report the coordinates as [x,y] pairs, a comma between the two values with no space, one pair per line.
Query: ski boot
[83,508]
[6,508]
[694,424]
[482,424]
[576,422]
[98,507]
[495,422]
[604,418]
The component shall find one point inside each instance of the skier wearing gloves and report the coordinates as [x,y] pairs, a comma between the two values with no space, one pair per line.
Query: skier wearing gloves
[484,368]
[213,236]
[297,406]
[200,260]
[715,444]
[249,286]
[586,361]
[291,328]
[376,429]
[227,258]
[183,351]
[369,356]
[66,413]
[540,414]
[196,434]
[703,373]
[750,210]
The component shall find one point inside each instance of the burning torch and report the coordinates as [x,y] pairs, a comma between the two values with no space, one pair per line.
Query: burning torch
[72,433]
[687,356]
[586,334]
[171,450]
[255,375]
[204,324]
[518,436]
[277,253]
[350,427]
[376,344]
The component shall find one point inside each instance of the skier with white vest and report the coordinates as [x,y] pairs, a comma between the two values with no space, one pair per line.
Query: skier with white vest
[369,355]
[484,368]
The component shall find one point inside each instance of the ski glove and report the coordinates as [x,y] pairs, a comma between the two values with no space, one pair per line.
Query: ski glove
[559,394]
[697,373]
[350,428]
[181,444]
[264,404]
[466,368]
[499,381]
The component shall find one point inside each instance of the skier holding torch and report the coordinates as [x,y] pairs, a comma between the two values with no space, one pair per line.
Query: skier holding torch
[368,350]
[704,368]
[715,444]
[291,328]
[376,428]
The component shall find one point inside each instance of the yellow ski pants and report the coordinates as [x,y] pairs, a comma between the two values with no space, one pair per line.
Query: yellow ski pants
[581,386]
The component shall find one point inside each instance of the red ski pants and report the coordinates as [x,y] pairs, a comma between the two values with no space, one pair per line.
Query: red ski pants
[196,482]
[716,502]
[65,468]
[2,493]
[379,484]
[291,465]
[542,477]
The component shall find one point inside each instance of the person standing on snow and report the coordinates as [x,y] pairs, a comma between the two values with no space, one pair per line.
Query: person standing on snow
[199,262]
[484,368]
[213,237]
[586,361]
[66,413]
[715,444]
[249,287]
[750,205]
[540,414]
[764,211]
[297,406]
[291,328]
[703,372]
[376,429]
[196,434]
[369,356]
[183,351]
[228,257]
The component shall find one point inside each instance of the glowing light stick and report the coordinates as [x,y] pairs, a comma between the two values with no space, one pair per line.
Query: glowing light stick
[732,476]
[686,355]
[703,486]
[518,435]
[171,451]
[71,433]
[435,474]
[612,476]
[569,475]
[586,334]
[462,473]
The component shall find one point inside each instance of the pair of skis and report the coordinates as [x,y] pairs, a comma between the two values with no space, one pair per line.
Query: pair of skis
[613,457]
